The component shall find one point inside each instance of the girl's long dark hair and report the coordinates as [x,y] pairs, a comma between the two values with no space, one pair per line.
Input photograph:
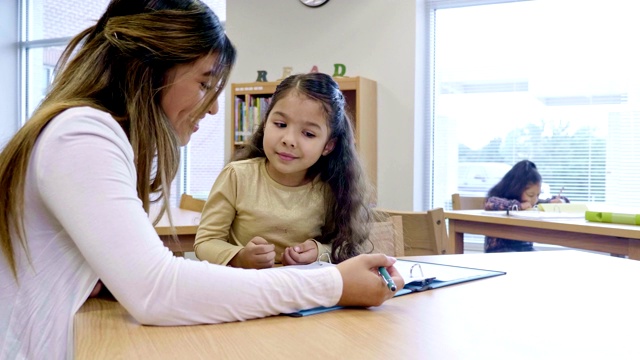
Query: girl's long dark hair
[348,215]
[516,180]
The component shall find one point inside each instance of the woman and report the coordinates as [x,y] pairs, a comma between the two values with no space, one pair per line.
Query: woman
[79,175]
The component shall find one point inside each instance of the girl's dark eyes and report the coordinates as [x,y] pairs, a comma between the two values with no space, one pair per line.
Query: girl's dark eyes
[206,86]
[281,124]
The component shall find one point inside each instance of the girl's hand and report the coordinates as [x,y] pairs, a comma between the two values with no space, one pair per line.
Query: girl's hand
[257,254]
[362,284]
[304,253]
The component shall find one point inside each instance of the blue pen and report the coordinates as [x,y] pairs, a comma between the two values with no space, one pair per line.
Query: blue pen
[387,278]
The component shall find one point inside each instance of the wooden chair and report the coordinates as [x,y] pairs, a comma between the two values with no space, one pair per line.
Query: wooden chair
[387,238]
[467,202]
[424,232]
[188,202]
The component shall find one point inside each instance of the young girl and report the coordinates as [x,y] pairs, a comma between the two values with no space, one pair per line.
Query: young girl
[297,191]
[519,189]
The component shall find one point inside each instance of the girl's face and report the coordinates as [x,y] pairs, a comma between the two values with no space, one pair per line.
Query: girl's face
[531,194]
[296,134]
[187,84]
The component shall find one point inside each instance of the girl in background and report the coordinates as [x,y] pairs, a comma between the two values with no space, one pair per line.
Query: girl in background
[519,189]
[296,191]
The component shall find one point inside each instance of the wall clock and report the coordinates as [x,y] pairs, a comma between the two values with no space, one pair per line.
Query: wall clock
[314,3]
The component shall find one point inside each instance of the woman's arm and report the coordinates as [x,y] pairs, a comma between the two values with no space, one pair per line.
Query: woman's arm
[86,178]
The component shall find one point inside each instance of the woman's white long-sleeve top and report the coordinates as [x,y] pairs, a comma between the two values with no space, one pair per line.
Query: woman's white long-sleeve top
[84,222]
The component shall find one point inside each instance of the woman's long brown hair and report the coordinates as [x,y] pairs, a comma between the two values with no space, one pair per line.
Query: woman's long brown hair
[119,66]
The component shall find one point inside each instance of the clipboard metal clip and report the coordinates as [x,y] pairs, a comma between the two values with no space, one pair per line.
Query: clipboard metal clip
[323,256]
[419,269]
[424,281]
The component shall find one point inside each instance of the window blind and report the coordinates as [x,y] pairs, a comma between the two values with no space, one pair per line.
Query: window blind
[536,80]
[48,26]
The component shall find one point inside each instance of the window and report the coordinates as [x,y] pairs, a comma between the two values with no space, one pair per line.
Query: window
[552,81]
[48,25]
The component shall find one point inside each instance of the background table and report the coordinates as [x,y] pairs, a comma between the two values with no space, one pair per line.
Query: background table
[549,305]
[575,233]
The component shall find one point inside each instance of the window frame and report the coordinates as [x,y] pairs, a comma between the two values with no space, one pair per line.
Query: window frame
[181,183]
[428,143]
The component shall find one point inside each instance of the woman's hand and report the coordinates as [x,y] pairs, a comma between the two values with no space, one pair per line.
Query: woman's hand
[362,284]
[304,253]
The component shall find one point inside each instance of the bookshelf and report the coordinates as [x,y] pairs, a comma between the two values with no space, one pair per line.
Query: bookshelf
[249,102]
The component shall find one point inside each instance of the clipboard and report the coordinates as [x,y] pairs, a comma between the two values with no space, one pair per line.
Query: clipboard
[424,276]
[421,276]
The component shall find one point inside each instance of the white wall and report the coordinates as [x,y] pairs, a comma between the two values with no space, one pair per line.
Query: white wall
[375,39]
[9,76]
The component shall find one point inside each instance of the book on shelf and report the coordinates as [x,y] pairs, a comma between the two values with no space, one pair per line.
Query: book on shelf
[248,115]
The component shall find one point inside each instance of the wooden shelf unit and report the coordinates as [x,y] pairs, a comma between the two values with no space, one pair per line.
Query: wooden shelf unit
[360,94]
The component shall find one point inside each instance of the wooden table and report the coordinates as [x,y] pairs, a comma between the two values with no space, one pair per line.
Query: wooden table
[550,305]
[186,225]
[575,233]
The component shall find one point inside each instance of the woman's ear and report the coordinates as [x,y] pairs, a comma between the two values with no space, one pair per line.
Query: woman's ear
[328,148]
